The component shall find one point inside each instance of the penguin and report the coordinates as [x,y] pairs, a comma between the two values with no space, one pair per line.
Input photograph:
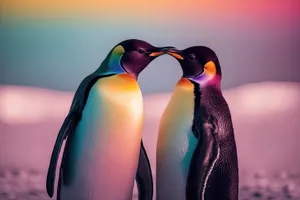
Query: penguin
[196,149]
[104,152]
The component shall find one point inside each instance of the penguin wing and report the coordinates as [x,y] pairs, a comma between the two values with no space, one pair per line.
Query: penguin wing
[144,176]
[69,126]
[203,159]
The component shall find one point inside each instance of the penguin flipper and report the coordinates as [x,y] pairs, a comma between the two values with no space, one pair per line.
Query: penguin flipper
[203,161]
[68,127]
[144,176]
[59,186]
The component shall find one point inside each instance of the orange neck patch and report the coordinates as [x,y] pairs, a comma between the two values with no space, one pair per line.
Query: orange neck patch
[120,82]
[185,83]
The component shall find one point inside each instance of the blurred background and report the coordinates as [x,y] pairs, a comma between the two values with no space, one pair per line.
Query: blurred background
[48,47]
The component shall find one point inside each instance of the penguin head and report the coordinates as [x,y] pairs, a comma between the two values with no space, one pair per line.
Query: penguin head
[131,56]
[199,64]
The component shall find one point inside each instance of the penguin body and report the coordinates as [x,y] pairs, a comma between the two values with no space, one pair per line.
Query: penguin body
[175,143]
[202,164]
[104,152]
[105,146]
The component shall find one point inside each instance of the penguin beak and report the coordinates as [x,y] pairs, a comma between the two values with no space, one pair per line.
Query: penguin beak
[175,53]
[160,51]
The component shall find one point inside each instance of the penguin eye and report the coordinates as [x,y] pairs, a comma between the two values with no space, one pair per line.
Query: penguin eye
[141,51]
[192,56]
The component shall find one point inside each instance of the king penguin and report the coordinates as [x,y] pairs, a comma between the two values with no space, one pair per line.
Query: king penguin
[196,150]
[104,152]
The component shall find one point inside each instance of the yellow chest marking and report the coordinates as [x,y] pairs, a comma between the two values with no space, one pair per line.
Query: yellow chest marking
[119,84]
[119,104]
[178,115]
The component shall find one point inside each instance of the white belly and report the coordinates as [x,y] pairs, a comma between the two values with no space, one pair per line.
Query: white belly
[108,141]
[175,145]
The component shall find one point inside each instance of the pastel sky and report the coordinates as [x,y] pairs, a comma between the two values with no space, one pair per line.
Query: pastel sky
[55,44]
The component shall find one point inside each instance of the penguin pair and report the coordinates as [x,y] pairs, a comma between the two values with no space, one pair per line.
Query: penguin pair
[104,152]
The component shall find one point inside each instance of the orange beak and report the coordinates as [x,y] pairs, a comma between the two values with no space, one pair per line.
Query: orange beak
[175,55]
[155,54]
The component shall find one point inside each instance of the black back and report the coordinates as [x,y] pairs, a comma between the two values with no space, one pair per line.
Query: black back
[224,178]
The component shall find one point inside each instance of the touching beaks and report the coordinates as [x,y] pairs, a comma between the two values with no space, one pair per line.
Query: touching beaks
[175,53]
[169,50]
[160,51]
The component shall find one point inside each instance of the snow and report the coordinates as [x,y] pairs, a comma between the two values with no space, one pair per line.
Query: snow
[265,117]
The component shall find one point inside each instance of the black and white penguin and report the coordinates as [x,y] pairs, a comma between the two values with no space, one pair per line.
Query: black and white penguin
[196,150]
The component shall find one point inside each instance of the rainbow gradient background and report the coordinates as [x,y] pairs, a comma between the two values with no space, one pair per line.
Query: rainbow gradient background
[55,44]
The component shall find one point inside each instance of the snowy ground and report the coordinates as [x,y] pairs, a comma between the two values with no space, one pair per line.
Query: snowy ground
[265,116]
[29,185]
